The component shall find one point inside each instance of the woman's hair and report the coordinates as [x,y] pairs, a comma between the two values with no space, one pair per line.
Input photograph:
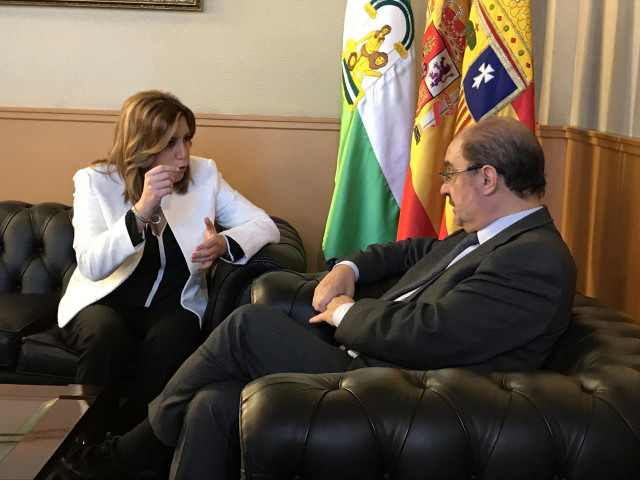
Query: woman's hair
[145,125]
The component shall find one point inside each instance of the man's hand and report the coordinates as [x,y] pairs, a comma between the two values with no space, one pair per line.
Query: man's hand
[327,315]
[213,246]
[339,281]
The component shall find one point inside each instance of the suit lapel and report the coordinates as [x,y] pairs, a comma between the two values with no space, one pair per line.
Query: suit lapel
[535,220]
[415,276]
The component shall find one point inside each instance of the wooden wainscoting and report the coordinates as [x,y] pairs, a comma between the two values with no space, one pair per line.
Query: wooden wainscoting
[601,211]
[287,166]
[284,165]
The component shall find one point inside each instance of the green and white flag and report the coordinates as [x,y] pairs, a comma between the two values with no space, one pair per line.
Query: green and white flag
[378,113]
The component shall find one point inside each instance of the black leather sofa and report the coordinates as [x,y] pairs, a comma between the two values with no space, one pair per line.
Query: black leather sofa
[578,418]
[36,262]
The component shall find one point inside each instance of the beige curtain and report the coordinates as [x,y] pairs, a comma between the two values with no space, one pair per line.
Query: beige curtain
[590,73]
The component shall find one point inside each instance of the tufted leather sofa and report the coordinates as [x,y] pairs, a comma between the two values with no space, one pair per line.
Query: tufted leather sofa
[36,262]
[578,418]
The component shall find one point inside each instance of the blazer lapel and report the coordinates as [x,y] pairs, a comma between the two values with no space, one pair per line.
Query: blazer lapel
[185,214]
[415,277]
[537,219]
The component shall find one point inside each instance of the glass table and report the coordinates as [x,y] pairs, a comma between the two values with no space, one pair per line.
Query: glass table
[35,421]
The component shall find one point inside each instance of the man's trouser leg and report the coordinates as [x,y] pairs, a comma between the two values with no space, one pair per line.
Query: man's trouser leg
[254,341]
[209,444]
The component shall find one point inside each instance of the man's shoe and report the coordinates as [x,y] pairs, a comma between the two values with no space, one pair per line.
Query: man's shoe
[97,462]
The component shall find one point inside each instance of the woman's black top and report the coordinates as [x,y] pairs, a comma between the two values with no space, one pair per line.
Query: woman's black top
[159,278]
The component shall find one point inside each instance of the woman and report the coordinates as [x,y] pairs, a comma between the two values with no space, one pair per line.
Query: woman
[144,236]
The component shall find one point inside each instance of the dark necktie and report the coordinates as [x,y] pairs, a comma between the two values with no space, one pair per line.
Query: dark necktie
[468,241]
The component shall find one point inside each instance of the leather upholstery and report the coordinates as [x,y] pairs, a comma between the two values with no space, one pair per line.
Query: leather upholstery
[36,262]
[22,314]
[579,418]
[35,247]
[230,286]
[45,354]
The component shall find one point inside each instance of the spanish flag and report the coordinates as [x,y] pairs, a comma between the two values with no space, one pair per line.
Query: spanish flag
[477,63]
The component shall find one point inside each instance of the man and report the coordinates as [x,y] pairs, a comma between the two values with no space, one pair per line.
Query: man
[499,301]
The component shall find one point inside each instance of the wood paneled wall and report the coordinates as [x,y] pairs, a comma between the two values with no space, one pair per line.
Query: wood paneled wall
[601,212]
[287,165]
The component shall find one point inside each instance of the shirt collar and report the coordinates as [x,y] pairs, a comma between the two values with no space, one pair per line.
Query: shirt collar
[495,227]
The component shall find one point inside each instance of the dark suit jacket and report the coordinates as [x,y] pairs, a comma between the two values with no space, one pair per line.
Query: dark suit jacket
[501,307]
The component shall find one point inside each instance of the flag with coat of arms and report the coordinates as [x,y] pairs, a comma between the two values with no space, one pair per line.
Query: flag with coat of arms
[477,63]
[378,102]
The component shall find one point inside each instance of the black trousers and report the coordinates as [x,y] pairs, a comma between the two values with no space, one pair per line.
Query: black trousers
[197,412]
[140,346]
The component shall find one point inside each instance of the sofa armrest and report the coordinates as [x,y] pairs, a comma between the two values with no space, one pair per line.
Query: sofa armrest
[287,290]
[292,292]
[22,314]
[230,284]
[451,423]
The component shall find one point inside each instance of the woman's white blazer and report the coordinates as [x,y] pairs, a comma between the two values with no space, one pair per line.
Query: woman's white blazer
[104,252]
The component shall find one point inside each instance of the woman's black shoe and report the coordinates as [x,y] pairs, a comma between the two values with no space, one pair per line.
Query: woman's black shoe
[97,462]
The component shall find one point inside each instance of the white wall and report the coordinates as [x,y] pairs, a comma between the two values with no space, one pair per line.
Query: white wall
[245,57]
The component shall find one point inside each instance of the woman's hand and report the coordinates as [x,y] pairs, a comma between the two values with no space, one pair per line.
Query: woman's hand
[158,182]
[213,246]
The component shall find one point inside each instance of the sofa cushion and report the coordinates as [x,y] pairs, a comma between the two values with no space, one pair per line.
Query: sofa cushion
[22,314]
[46,353]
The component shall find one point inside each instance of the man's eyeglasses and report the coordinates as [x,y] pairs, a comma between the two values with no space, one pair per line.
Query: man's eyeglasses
[447,174]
